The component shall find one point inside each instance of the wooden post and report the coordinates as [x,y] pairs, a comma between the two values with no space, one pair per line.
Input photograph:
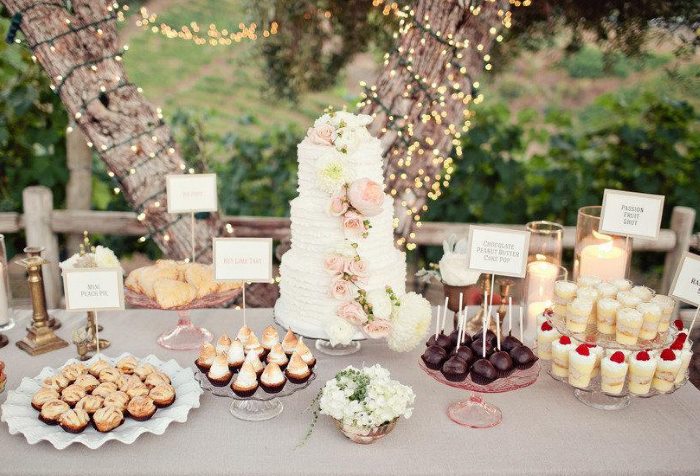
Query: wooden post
[37,202]
[79,188]
[682,222]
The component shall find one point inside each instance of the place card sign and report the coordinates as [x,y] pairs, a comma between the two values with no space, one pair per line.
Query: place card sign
[189,193]
[637,215]
[498,251]
[93,289]
[686,284]
[243,259]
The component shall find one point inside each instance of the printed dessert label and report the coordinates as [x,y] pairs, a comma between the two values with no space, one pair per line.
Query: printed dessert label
[93,289]
[686,284]
[243,259]
[498,250]
[189,193]
[637,215]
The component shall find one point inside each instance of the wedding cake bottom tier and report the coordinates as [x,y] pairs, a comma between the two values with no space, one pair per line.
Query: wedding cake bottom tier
[305,305]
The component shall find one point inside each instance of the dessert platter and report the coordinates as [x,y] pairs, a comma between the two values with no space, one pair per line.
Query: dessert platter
[255,373]
[100,400]
[482,363]
[611,341]
[179,286]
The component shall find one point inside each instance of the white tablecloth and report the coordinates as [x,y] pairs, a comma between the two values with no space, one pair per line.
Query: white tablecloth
[545,430]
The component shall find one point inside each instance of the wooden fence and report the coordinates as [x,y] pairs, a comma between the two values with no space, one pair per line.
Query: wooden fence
[42,225]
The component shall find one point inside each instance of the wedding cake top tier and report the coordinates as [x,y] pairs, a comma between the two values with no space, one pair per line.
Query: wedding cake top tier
[343,278]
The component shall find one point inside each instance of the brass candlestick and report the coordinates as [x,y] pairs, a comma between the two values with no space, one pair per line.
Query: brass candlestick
[40,337]
[505,286]
[475,322]
[35,252]
[92,328]
[85,339]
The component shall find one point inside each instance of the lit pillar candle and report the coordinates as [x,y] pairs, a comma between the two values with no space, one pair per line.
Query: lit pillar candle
[4,300]
[541,276]
[604,260]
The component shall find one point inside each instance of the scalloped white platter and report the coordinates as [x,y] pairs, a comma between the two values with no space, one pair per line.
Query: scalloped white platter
[21,418]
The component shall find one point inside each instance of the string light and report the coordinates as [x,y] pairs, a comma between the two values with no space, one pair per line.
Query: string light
[209,36]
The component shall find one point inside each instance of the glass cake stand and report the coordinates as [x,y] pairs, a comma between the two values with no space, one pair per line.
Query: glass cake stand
[474,411]
[323,345]
[260,406]
[185,335]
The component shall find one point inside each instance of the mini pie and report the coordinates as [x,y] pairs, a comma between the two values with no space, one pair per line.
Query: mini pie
[202,278]
[144,370]
[162,395]
[141,408]
[74,421]
[138,391]
[98,367]
[57,382]
[42,396]
[117,399]
[104,389]
[127,365]
[125,382]
[73,371]
[107,418]
[109,375]
[170,293]
[90,403]
[87,381]
[52,410]
[72,394]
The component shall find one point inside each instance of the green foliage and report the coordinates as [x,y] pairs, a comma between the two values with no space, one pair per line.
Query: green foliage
[591,62]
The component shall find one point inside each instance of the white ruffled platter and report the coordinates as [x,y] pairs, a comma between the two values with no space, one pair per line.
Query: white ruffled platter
[21,418]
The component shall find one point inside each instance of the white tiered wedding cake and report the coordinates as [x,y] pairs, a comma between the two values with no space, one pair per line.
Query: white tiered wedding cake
[342,278]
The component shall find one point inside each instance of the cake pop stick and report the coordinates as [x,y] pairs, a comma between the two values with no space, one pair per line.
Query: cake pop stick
[464,324]
[483,337]
[510,315]
[244,319]
[461,298]
[498,332]
[97,335]
[493,284]
[437,321]
[521,323]
[459,330]
[444,318]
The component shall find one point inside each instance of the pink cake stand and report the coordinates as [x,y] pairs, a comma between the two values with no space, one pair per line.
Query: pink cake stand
[185,335]
[474,411]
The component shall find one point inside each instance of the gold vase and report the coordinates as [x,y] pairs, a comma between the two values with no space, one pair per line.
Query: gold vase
[366,436]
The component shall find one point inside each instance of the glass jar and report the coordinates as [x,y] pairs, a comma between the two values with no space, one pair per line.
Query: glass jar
[599,254]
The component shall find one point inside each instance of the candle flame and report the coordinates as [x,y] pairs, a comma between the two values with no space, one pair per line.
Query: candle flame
[540,257]
[607,245]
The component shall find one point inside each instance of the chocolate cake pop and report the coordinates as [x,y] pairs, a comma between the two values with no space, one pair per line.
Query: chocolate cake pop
[478,348]
[434,356]
[455,369]
[466,340]
[510,343]
[483,372]
[523,357]
[490,336]
[502,362]
[467,354]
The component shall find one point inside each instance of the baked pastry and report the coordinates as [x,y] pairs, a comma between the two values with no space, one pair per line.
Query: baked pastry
[277,356]
[226,286]
[127,365]
[206,357]
[98,367]
[42,396]
[236,355]
[170,293]
[201,276]
[107,419]
[223,344]
[156,379]
[104,389]
[581,363]
[667,368]
[52,410]
[246,382]
[57,382]
[162,395]
[297,371]
[87,381]
[289,343]
[73,371]
[272,379]
[90,403]
[141,408]
[613,372]
[270,338]
[219,374]
[74,421]
[126,382]
[153,275]
[305,354]
[253,346]
[117,399]
[144,370]
[139,390]
[72,394]
[109,374]
[253,359]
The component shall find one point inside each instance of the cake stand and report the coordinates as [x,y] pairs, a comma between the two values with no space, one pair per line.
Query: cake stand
[474,411]
[260,406]
[593,395]
[324,346]
[185,335]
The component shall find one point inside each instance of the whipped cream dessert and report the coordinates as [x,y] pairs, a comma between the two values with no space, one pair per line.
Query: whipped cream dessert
[667,368]
[560,356]
[668,306]
[607,315]
[622,284]
[606,290]
[588,281]
[651,315]
[236,355]
[546,334]
[642,292]
[578,312]
[641,372]
[613,371]
[564,293]
[628,299]
[581,363]
[627,326]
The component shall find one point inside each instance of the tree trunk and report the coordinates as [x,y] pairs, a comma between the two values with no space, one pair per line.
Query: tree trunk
[420,123]
[123,127]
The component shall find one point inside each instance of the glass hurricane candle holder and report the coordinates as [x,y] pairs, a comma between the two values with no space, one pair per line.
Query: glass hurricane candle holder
[6,321]
[599,254]
[545,241]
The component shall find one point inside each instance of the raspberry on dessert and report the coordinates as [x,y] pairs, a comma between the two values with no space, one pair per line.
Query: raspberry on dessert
[546,326]
[583,350]
[564,340]
[677,344]
[679,324]
[643,355]
[668,354]
[618,357]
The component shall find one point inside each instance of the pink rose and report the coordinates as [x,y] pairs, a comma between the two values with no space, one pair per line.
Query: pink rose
[337,206]
[356,267]
[366,196]
[321,135]
[340,289]
[352,312]
[334,264]
[377,329]
[352,222]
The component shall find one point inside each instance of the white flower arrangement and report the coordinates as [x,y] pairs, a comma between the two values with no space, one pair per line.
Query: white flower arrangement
[340,332]
[332,173]
[410,320]
[91,257]
[366,398]
[452,269]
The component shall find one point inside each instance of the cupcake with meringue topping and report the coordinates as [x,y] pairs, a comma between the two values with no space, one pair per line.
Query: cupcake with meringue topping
[272,379]
[246,382]
[219,374]
[297,371]
[305,354]
[107,419]
[278,356]
[243,335]
[253,346]
[253,359]
[289,343]
[74,421]
[141,408]
[269,338]
[206,356]
[223,343]
[236,356]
